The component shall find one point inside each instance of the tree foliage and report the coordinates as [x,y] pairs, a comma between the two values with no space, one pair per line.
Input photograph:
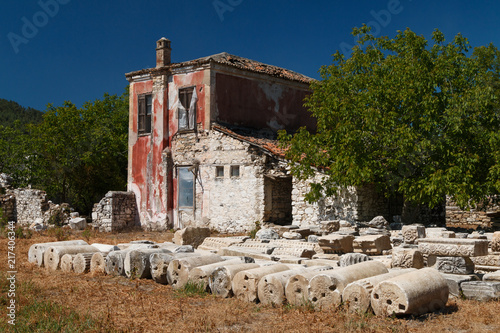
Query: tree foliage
[418,120]
[75,154]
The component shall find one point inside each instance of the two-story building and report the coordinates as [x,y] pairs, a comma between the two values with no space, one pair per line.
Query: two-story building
[202,148]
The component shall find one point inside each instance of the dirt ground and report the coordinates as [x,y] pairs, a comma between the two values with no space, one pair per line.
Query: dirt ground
[122,305]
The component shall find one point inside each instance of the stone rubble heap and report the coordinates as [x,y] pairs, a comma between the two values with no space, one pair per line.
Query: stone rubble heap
[368,273]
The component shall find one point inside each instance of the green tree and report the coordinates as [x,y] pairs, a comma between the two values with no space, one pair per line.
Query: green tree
[78,154]
[13,151]
[418,120]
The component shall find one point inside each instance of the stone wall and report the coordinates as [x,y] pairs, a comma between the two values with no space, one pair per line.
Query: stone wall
[357,204]
[115,212]
[342,207]
[484,217]
[8,205]
[31,204]
[223,202]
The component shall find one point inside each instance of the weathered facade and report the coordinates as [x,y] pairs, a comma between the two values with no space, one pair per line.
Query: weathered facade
[174,147]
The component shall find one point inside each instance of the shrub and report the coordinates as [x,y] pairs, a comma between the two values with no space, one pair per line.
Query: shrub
[254,231]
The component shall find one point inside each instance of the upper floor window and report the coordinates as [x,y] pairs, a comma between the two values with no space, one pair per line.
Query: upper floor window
[187,108]
[145,109]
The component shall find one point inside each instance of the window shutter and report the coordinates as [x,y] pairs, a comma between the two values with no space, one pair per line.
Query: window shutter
[141,124]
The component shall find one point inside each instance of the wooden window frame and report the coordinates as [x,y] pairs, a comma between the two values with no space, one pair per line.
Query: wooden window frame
[231,171]
[188,169]
[144,113]
[217,169]
[185,96]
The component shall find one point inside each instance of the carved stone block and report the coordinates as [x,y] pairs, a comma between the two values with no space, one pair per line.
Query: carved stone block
[451,265]
[453,247]
[412,232]
[407,258]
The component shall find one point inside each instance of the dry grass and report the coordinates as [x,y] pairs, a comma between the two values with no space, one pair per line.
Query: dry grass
[106,303]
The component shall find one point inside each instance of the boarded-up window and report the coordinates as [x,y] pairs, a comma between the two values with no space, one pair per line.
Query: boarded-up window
[185,187]
[145,109]
[187,108]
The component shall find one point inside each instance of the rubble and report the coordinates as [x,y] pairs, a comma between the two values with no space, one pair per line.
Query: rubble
[373,244]
[481,290]
[193,236]
[267,234]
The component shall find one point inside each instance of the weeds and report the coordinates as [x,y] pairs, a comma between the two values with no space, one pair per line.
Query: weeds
[22,233]
[191,289]
[45,316]
[3,218]
[305,306]
[86,234]
[254,231]
[58,233]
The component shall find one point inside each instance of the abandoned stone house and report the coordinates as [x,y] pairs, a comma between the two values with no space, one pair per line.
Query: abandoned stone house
[202,148]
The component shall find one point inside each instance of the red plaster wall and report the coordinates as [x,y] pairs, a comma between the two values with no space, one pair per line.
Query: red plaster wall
[156,190]
[253,103]
[180,81]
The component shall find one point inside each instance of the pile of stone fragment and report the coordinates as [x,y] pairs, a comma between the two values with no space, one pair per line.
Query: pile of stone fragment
[409,271]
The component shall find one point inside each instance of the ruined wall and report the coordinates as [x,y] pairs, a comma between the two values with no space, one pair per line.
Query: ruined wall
[343,207]
[488,217]
[8,205]
[31,204]
[224,203]
[115,212]
[351,204]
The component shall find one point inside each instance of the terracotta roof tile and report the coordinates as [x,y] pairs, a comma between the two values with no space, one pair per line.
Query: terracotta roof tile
[270,145]
[234,61]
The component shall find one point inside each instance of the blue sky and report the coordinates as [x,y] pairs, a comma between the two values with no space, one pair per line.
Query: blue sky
[78,50]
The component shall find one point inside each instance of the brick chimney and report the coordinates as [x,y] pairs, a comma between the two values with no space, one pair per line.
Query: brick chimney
[163,52]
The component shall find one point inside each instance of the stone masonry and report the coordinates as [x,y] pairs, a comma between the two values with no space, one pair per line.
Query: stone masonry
[115,212]
[31,204]
[8,205]
[223,201]
[473,218]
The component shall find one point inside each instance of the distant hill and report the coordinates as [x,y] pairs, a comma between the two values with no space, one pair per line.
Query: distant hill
[10,111]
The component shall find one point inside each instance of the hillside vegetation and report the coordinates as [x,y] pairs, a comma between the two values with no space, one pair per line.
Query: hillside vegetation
[11,111]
